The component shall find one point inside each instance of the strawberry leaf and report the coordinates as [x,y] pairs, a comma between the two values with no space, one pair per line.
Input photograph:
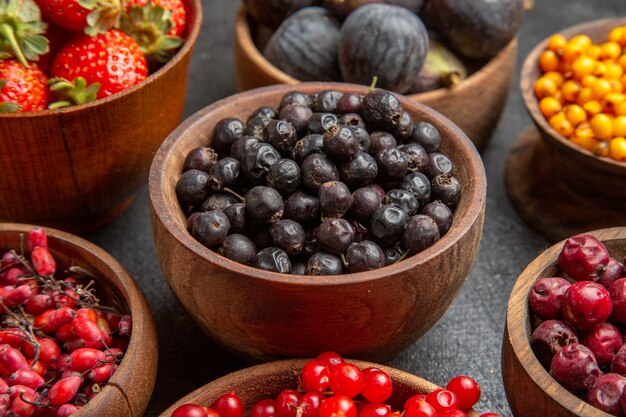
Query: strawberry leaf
[105,14]
[21,30]
[9,107]
[71,94]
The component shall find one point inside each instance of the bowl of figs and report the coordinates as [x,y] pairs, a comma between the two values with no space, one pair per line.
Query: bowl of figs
[289,220]
[442,53]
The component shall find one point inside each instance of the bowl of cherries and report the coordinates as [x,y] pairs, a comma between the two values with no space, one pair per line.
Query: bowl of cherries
[76,336]
[325,217]
[563,342]
[327,386]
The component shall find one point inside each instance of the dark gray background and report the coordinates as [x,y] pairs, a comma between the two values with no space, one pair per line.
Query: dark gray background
[467,340]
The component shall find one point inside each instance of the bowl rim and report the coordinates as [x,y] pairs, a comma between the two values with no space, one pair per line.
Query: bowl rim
[518,328]
[281,366]
[193,31]
[477,78]
[526,83]
[125,284]
[461,226]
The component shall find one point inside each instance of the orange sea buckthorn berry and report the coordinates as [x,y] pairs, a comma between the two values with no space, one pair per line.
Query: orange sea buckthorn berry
[617,149]
[560,123]
[611,100]
[583,131]
[582,40]
[565,68]
[602,126]
[585,96]
[622,61]
[601,148]
[592,107]
[572,52]
[616,86]
[601,88]
[610,50]
[600,69]
[570,90]
[575,114]
[593,51]
[555,76]
[556,43]
[588,80]
[620,109]
[619,126]
[548,61]
[549,106]
[588,143]
[614,70]
[545,87]
[583,66]
[616,34]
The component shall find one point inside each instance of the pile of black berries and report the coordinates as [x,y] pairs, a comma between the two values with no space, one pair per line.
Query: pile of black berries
[329,183]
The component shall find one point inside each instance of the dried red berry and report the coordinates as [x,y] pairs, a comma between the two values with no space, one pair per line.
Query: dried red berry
[583,257]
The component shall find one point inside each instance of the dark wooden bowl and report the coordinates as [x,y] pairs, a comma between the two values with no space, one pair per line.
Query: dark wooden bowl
[490,84]
[268,380]
[78,168]
[130,388]
[559,188]
[530,389]
[266,315]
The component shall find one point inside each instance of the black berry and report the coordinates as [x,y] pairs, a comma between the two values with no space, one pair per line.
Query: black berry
[273,259]
[364,256]
[239,248]
[264,204]
[421,233]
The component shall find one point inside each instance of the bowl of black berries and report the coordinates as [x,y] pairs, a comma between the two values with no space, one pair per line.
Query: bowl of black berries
[291,220]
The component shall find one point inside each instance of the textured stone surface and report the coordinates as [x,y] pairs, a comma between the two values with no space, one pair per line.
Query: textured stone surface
[468,338]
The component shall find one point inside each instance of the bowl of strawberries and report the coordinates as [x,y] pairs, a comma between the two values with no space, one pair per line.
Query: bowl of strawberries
[88,91]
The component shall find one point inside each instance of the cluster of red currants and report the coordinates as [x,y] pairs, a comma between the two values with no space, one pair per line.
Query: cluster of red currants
[579,339]
[58,345]
[332,387]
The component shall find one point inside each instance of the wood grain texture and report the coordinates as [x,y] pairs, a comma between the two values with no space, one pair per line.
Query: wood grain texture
[129,390]
[268,380]
[77,168]
[475,105]
[590,189]
[524,377]
[265,315]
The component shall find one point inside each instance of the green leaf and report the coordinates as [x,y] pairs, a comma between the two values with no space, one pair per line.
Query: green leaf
[9,107]
[71,94]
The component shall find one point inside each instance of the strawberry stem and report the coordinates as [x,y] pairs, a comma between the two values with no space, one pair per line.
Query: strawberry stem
[8,32]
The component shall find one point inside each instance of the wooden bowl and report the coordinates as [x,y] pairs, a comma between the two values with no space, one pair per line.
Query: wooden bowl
[78,168]
[490,85]
[268,380]
[589,190]
[266,315]
[130,388]
[530,389]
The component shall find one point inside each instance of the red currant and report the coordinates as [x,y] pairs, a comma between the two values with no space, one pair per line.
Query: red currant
[375,410]
[377,386]
[490,415]
[310,404]
[346,379]
[330,359]
[190,410]
[443,400]
[264,408]
[420,409]
[466,389]
[228,405]
[453,413]
[287,403]
[211,412]
[337,406]
[315,376]
[417,398]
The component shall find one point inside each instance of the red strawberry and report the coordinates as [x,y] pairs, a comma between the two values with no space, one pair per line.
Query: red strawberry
[91,16]
[176,7]
[112,59]
[56,37]
[21,89]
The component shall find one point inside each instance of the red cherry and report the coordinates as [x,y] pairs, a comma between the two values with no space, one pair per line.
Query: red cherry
[338,406]
[443,400]
[315,376]
[190,410]
[228,405]
[377,386]
[466,389]
[420,409]
[330,359]
[287,403]
[346,379]
[264,408]
[375,410]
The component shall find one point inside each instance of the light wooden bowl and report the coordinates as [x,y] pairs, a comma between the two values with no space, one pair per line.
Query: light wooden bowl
[490,85]
[530,389]
[130,388]
[266,315]
[78,168]
[268,380]
[559,188]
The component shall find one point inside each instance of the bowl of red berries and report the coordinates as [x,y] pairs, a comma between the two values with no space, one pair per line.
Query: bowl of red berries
[294,220]
[563,343]
[87,94]
[77,336]
[327,386]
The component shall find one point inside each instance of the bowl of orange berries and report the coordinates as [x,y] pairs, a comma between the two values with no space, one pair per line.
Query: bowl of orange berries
[567,175]
[88,91]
